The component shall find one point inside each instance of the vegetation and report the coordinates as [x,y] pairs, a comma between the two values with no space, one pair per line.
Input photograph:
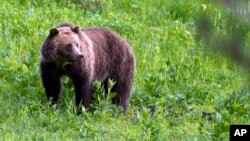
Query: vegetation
[182,90]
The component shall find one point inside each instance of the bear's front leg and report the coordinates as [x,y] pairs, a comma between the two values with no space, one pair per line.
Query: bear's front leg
[82,93]
[51,81]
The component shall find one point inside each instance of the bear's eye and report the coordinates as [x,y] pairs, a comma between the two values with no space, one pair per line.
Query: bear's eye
[78,46]
[69,47]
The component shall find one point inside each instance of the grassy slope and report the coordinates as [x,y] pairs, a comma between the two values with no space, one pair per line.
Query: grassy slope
[175,73]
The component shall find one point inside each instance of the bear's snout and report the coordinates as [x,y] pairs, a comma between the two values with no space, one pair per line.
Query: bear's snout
[80,56]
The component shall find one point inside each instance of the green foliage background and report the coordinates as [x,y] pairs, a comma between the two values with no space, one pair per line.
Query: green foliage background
[197,93]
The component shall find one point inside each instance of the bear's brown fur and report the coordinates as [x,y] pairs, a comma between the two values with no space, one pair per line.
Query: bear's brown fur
[86,55]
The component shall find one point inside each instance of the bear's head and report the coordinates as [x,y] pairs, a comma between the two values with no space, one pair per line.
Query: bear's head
[63,45]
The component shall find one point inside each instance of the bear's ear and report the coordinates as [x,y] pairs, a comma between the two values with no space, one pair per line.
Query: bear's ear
[76,29]
[53,32]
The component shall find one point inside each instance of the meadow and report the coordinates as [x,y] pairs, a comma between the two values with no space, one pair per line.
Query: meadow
[196,92]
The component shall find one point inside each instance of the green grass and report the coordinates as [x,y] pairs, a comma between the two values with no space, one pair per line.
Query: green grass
[175,72]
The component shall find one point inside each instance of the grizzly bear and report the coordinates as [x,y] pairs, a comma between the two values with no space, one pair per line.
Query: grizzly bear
[86,55]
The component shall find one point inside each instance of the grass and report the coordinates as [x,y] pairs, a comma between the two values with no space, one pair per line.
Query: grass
[197,93]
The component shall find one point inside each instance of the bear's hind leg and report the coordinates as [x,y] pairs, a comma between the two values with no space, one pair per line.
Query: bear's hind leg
[122,94]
